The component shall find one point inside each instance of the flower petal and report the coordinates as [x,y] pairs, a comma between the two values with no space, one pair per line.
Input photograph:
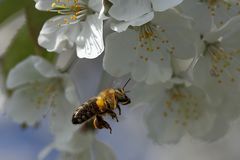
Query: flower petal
[44,4]
[102,151]
[70,91]
[122,26]
[95,5]
[231,36]
[25,72]
[78,143]
[46,69]
[142,93]
[56,36]
[161,129]
[61,125]
[121,58]
[85,155]
[129,9]
[202,79]
[90,41]
[180,35]
[27,105]
[199,12]
[218,127]
[118,58]
[162,5]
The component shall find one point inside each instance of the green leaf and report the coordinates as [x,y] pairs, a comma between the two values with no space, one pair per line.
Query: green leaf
[8,8]
[35,21]
[25,42]
[20,48]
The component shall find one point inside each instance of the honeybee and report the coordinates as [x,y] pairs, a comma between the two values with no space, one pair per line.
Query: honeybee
[104,104]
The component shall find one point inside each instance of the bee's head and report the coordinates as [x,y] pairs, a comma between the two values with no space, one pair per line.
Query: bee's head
[122,97]
[121,94]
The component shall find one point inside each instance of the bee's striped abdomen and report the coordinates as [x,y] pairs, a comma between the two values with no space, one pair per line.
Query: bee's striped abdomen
[86,111]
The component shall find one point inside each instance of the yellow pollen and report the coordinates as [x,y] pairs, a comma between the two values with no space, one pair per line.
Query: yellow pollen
[152,41]
[223,63]
[181,104]
[100,103]
[75,10]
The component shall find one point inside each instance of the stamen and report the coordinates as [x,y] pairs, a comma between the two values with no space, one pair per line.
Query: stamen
[183,105]
[152,40]
[75,9]
[224,64]
[46,92]
[216,7]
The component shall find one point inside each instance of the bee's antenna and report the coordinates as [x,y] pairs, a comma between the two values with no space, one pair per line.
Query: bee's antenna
[126,83]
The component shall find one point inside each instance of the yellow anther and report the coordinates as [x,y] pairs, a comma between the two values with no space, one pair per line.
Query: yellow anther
[54,5]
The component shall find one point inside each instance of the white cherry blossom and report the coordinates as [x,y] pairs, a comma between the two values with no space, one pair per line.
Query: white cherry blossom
[217,69]
[209,13]
[78,28]
[39,89]
[173,112]
[145,50]
[82,145]
[98,150]
[131,9]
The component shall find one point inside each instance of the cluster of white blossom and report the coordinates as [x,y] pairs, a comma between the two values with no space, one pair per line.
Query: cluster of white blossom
[183,56]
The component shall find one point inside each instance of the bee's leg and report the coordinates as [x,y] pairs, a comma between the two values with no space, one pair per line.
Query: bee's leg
[100,123]
[119,109]
[112,114]
[109,111]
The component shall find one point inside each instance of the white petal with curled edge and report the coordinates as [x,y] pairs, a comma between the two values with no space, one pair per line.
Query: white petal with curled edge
[90,41]
[162,5]
[58,37]
[44,4]
[24,72]
[27,105]
[122,26]
[129,9]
